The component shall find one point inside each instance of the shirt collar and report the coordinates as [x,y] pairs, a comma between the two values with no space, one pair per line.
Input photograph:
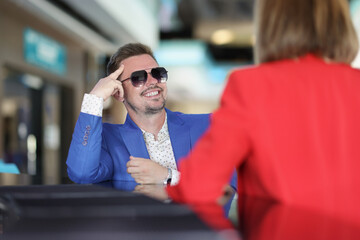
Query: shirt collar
[162,135]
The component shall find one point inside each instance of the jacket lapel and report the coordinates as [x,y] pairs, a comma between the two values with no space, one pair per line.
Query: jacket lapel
[179,135]
[133,139]
[178,131]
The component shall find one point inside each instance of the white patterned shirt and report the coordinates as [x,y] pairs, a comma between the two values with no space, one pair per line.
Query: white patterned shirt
[92,104]
[160,150]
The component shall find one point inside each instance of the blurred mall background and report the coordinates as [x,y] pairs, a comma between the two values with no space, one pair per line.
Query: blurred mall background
[53,51]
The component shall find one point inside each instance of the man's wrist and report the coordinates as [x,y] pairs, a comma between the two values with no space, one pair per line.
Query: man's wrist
[175,178]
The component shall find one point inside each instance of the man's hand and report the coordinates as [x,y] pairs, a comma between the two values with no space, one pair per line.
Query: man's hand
[110,86]
[146,171]
[154,191]
[227,195]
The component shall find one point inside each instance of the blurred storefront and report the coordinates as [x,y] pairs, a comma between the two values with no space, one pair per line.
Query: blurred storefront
[41,74]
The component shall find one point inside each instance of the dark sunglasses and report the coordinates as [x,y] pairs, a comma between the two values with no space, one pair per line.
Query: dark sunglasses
[139,78]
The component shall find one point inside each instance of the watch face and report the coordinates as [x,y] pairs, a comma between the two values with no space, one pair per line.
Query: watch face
[169,177]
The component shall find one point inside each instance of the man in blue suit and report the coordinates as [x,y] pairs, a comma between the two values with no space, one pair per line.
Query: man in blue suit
[148,146]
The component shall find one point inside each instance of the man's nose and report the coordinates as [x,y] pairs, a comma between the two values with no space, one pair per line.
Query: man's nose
[151,80]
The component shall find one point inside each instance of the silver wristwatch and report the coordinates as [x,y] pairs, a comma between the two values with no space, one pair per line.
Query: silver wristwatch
[167,180]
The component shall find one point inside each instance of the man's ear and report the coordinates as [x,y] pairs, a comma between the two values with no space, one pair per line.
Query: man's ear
[118,97]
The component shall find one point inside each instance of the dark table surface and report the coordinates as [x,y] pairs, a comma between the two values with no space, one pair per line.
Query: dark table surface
[112,210]
[93,212]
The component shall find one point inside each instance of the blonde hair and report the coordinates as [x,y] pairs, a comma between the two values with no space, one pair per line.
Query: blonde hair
[292,28]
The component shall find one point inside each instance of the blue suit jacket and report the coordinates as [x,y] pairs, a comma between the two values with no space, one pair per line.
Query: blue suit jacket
[99,152]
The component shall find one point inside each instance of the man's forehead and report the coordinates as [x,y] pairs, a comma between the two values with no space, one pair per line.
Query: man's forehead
[139,62]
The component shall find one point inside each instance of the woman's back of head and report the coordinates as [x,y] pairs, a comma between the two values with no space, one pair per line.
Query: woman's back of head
[292,28]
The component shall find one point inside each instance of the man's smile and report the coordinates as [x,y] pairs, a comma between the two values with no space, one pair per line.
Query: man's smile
[151,92]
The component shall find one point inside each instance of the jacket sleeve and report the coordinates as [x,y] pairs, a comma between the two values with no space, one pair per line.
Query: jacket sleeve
[88,159]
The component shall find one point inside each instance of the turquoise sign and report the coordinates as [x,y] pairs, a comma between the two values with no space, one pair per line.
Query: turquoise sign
[44,52]
[8,167]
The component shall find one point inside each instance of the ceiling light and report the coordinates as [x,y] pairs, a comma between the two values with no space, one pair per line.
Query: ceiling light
[222,36]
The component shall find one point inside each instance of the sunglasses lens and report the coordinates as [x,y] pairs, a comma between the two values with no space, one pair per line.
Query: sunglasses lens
[138,78]
[160,74]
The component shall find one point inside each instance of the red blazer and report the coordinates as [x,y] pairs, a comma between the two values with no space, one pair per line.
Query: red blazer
[292,130]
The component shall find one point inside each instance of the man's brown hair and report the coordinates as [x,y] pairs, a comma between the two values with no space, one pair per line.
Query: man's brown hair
[126,51]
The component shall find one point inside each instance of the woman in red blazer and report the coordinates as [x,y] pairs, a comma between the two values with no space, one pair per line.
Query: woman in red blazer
[291,124]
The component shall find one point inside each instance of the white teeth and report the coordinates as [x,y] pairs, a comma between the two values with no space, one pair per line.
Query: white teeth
[152,94]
